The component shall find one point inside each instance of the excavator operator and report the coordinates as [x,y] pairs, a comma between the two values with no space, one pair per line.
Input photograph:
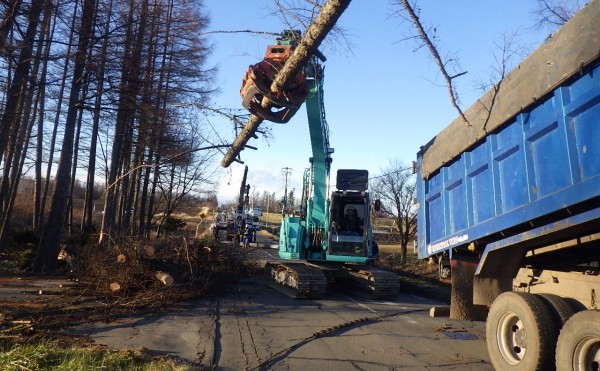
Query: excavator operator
[351,222]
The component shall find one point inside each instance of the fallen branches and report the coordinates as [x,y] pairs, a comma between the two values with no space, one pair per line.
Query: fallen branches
[120,281]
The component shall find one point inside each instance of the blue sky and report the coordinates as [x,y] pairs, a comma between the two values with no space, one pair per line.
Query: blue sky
[383,100]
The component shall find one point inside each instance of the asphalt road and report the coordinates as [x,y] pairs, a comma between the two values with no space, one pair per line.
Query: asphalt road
[254,327]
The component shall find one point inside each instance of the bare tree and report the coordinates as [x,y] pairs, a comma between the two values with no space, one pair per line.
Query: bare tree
[10,11]
[100,80]
[50,22]
[11,116]
[122,67]
[128,91]
[49,248]
[300,14]
[41,195]
[395,188]
[163,57]
[21,106]
[16,153]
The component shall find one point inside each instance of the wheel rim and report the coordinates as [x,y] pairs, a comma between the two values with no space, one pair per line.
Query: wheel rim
[587,354]
[511,338]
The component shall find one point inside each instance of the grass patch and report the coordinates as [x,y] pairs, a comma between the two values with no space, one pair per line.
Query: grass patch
[54,357]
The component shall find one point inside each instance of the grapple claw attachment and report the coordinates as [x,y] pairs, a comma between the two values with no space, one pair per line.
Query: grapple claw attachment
[256,85]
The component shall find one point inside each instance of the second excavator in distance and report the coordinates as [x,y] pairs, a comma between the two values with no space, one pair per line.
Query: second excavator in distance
[331,239]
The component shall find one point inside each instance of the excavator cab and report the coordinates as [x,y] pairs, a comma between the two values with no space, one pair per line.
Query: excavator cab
[348,227]
[349,235]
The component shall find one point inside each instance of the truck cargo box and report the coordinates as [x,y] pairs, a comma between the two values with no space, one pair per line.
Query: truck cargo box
[533,160]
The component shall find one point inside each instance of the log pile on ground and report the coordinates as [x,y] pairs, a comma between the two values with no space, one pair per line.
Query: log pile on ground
[131,277]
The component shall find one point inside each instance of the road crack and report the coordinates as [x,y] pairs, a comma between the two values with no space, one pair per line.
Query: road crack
[334,330]
[217,346]
[244,325]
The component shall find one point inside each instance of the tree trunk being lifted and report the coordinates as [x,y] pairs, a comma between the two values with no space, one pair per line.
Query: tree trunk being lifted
[316,32]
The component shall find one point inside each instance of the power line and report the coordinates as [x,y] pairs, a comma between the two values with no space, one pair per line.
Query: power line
[392,172]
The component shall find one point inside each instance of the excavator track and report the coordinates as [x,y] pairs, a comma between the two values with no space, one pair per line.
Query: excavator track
[378,283]
[298,280]
[310,280]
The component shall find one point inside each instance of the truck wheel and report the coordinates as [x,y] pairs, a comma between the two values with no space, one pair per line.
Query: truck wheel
[560,307]
[578,346]
[521,333]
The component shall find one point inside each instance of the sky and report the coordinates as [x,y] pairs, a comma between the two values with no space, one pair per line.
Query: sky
[383,99]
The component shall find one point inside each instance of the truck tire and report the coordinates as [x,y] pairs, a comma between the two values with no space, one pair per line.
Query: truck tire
[561,308]
[578,346]
[521,333]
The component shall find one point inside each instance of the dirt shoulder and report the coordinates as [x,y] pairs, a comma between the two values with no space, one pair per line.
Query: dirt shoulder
[417,277]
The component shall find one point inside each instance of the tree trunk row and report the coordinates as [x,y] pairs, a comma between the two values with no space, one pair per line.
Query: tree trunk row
[71,87]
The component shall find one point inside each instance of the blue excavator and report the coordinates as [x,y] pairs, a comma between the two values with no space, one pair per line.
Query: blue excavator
[330,240]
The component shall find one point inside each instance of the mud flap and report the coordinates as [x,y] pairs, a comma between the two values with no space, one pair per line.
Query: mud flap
[461,299]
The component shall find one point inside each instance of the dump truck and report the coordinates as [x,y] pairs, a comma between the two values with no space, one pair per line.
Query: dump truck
[512,199]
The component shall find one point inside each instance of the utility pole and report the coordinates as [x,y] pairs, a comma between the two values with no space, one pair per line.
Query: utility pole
[285,171]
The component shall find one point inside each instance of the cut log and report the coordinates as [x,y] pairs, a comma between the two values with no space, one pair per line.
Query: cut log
[121,258]
[316,32]
[439,312]
[165,278]
[115,286]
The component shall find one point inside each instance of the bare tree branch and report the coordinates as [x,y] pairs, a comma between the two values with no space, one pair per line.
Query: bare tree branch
[242,31]
[552,14]
[163,162]
[508,50]
[436,56]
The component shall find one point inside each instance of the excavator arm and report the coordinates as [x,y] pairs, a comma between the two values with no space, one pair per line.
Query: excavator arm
[307,86]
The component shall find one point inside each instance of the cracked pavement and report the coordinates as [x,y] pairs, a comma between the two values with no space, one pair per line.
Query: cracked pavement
[254,327]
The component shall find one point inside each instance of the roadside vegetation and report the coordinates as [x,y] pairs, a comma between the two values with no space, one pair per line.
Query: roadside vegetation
[48,356]
[133,276]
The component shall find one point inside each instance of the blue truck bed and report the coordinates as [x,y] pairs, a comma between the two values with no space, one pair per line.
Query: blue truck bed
[527,164]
